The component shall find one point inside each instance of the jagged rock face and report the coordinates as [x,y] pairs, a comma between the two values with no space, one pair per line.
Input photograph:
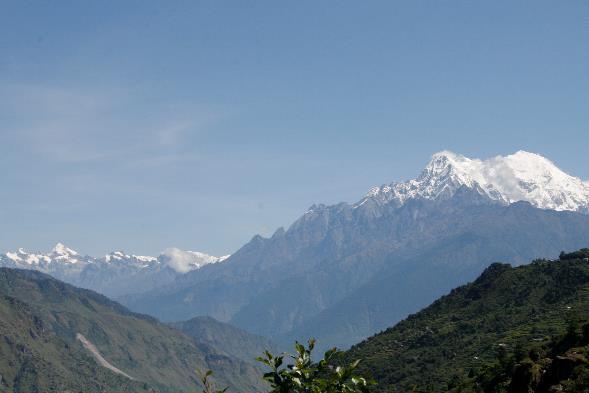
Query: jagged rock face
[343,272]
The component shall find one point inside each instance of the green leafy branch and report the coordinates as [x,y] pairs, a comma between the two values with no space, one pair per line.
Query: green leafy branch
[306,376]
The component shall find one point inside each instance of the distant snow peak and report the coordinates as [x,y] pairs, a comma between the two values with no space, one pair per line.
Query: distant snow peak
[185,261]
[62,257]
[145,259]
[14,256]
[522,176]
[23,258]
[121,257]
[117,256]
[62,249]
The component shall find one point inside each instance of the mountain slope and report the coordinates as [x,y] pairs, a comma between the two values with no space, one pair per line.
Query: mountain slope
[53,336]
[461,244]
[462,339]
[226,339]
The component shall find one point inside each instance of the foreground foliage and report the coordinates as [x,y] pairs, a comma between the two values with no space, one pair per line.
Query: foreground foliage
[302,375]
[208,386]
[305,376]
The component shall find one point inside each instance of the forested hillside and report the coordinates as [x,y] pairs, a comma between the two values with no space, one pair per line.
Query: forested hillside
[511,330]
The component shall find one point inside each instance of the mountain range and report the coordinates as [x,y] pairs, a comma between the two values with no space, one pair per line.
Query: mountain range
[115,274]
[346,271]
[340,273]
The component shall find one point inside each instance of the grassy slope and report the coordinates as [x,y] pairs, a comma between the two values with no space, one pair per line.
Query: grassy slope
[459,338]
[39,319]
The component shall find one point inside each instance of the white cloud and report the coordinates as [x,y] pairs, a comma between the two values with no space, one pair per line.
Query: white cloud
[184,261]
[177,259]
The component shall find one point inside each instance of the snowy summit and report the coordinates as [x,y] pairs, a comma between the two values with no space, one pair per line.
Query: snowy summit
[521,176]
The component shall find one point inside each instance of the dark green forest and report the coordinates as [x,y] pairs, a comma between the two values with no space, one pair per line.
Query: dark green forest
[522,329]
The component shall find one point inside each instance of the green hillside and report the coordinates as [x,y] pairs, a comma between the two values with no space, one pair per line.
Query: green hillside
[41,320]
[521,329]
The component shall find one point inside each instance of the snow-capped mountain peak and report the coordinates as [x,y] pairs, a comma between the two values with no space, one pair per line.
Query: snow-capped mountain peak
[121,257]
[117,256]
[62,249]
[21,257]
[522,176]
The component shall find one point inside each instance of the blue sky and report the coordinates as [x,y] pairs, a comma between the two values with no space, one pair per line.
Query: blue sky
[143,125]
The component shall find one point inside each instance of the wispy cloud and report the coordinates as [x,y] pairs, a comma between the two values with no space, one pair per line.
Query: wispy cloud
[171,135]
[70,125]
